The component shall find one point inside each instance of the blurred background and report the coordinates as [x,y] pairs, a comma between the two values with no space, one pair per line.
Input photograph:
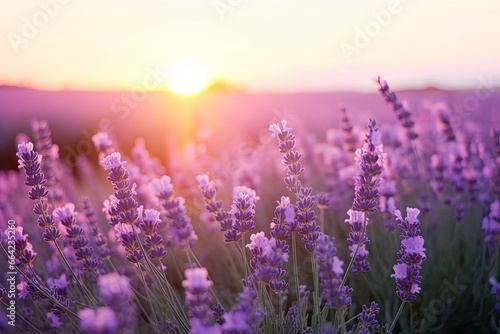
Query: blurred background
[173,71]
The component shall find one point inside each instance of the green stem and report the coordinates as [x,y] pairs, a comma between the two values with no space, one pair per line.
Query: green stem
[316,315]
[245,263]
[149,299]
[322,220]
[296,277]
[211,290]
[396,317]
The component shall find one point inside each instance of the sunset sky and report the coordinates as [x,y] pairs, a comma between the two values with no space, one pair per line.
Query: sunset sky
[258,45]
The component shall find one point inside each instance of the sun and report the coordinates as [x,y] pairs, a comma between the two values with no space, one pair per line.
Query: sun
[187,77]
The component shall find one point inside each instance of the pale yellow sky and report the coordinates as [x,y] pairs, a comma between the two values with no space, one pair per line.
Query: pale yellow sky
[284,45]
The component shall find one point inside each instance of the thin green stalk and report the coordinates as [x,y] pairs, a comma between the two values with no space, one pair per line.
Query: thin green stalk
[280,316]
[396,317]
[342,322]
[188,258]
[316,315]
[322,220]
[211,290]
[296,277]
[74,324]
[245,263]
[182,317]
[149,300]
[353,318]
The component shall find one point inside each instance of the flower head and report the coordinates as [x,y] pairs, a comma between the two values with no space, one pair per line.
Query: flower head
[276,130]
[400,271]
[414,245]
[99,321]
[411,255]
[112,161]
[196,279]
[65,212]
[162,185]
[114,287]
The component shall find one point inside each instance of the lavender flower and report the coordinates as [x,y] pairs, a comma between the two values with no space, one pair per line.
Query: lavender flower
[357,241]
[245,316]
[102,320]
[267,261]
[99,239]
[81,245]
[330,274]
[23,250]
[349,139]
[103,145]
[148,221]
[387,203]
[491,227]
[123,206]
[197,297]
[369,163]
[218,312]
[401,111]
[306,218]
[243,209]
[181,231]
[367,318]
[291,158]
[495,290]
[411,255]
[224,218]
[50,152]
[117,315]
[30,160]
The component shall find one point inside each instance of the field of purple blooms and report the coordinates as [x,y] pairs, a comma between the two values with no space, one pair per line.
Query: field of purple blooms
[378,228]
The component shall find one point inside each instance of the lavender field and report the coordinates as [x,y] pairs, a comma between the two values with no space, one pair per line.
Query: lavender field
[250,213]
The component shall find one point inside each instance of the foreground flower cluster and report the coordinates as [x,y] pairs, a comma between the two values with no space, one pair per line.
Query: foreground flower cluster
[215,261]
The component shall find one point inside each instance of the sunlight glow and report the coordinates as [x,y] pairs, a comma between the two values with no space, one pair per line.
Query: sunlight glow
[187,77]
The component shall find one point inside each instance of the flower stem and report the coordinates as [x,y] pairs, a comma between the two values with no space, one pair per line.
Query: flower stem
[322,220]
[396,317]
[149,299]
[296,277]
[245,263]
[316,301]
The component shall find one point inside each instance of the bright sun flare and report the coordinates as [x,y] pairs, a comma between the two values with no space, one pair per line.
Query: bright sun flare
[187,77]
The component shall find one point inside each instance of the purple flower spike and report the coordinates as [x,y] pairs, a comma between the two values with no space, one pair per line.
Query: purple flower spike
[117,315]
[245,316]
[198,300]
[291,158]
[411,255]
[330,274]
[401,111]
[30,160]
[181,230]
[369,163]
[214,206]
[367,318]
[357,236]
[122,208]
[243,209]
